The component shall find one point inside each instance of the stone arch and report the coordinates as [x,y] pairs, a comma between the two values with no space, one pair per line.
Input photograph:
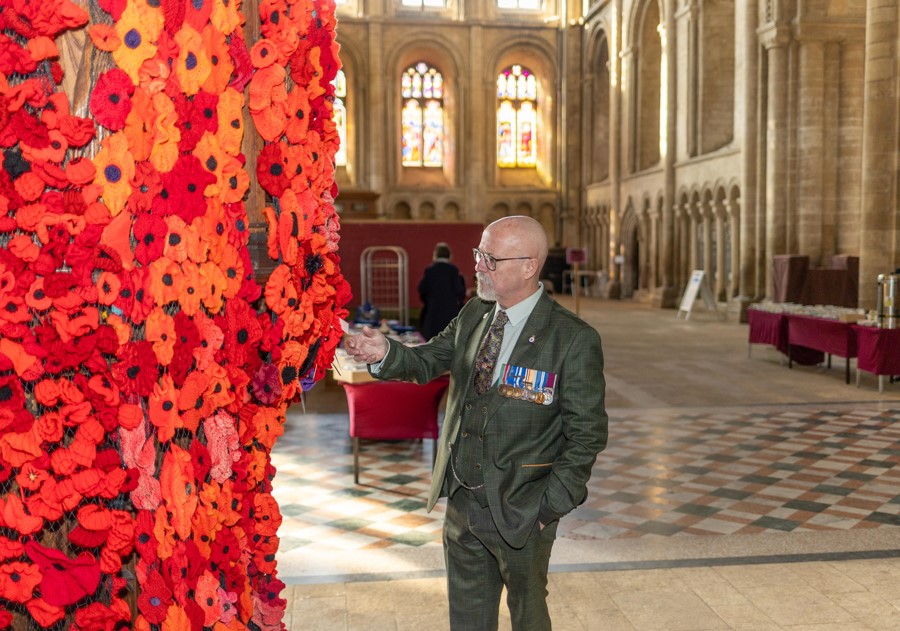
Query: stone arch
[716,72]
[630,249]
[546,214]
[401,210]
[597,114]
[647,90]
[498,211]
[435,50]
[425,210]
[524,208]
[450,211]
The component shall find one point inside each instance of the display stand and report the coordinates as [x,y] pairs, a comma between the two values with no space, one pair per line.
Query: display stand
[697,284]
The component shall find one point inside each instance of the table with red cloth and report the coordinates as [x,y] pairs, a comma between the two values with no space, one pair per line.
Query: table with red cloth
[770,327]
[832,337]
[878,352]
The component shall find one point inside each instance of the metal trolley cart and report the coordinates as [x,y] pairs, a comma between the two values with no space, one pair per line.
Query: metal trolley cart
[384,272]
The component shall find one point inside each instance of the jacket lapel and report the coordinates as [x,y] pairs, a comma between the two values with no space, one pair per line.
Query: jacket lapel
[528,346]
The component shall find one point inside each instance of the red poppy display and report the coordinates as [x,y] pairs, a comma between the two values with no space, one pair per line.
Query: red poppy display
[136,361]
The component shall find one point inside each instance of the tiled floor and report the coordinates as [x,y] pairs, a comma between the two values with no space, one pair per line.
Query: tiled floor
[735,494]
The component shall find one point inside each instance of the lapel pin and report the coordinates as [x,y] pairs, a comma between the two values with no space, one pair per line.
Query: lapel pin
[531,340]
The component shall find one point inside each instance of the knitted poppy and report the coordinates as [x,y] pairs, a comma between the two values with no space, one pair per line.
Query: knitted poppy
[207,596]
[145,185]
[266,384]
[221,66]
[18,581]
[213,160]
[202,463]
[144,540]
[139,125]
[166,281]
[211,339]
[192,288]
[183,188]
[270,169]
[166,140]
[138,28]
[235,181]
[155,598]
[53,151]
[192,66]
[150,235]
[230,130]
[214,282]
[264,53]
[243,67]
[187,339]
[297,113]
[136,370]
[110,100]
[115,170]
[104,37]
[160,331]
[179,489]
[194,401]
[64,581]
[191,120]
[44,613]
[80,171]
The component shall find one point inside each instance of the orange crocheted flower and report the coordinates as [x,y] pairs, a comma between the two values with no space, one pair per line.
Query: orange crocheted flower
[164,413]
[115,168]
[166,281]
[219,57]
[231,121]
[192,66]
[159,330]
[138,29]
[179,489]
[18,581]
[139,126]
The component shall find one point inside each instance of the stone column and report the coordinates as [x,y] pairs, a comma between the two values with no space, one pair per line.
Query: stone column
[620,62]
[744,249]
[706,218]
[668,295]
[880,198]
[472,148]
[379,152]
[734,217]
[653,280]
[812,157]
[720,216]
[775,40]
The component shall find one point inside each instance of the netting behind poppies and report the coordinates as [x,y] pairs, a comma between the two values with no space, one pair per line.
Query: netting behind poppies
[144,373]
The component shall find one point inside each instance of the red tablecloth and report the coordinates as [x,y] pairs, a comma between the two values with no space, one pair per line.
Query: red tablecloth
[828,336]
[879,350]
[771,328]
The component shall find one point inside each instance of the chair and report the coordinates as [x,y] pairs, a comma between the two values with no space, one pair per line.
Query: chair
[394,410]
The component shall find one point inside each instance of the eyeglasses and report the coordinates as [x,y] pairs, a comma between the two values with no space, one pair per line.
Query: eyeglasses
[490,261]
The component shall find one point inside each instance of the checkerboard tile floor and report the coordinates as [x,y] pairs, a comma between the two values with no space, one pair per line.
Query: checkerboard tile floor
[665,474]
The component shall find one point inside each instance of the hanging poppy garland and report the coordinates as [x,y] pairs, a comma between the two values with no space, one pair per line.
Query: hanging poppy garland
[144,375]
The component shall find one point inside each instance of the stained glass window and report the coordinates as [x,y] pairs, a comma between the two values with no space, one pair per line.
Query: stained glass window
[516,118]
[422,116]
[340,117]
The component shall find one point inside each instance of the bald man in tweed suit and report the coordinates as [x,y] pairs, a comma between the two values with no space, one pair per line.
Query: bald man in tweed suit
[521,432]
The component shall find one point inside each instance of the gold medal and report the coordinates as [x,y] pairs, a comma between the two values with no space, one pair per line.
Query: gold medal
[539,398]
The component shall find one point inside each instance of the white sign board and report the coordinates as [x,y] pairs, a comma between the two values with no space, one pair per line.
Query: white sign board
[697,284]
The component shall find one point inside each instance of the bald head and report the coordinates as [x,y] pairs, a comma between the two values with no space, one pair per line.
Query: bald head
[523,234]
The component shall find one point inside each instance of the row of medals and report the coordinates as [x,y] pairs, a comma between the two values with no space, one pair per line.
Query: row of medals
[526,393]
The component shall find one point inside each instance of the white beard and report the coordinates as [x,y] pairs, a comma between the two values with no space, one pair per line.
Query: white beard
[485,288]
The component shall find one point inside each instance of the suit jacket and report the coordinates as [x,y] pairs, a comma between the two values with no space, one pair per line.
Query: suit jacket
[535,459]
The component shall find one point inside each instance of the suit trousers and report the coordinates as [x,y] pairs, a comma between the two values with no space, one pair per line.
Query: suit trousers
[480,563]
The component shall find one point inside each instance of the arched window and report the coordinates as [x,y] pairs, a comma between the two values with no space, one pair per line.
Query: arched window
[516,118]
[422,116]
[340,116]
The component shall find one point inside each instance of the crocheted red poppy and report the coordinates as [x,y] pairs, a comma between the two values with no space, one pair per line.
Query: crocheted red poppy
[136,370]
[155,598]
[65,581]
[184,186]
[150,234]
[110,100]
[271,170]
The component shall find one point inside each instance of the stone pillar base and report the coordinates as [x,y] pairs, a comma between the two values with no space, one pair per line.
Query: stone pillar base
[614,290]
[741,303]
[666,297]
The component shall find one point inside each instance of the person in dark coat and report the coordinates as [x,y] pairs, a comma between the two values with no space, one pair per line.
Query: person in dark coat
[442,290]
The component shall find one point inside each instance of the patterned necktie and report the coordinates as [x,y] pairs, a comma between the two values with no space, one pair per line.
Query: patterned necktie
[488,353]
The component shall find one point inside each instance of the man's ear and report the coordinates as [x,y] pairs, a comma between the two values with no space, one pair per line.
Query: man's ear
[531,268]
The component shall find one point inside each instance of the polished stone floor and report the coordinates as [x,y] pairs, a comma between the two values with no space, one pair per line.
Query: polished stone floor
[735,494]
